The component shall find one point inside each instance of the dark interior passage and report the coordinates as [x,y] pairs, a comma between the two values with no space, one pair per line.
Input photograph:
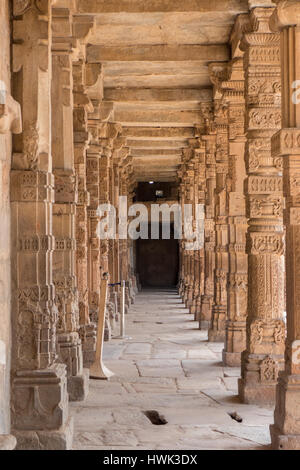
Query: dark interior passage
[158,262]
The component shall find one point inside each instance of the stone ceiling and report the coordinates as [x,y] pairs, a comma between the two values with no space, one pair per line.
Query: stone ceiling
[155,57]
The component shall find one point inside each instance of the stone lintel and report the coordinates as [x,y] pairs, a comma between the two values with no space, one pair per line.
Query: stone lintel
[157,117]
[155,53]
[159,133]
[154,6]
[157,94]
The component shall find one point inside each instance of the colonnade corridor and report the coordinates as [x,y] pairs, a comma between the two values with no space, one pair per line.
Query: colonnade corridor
[168,366]
[148,144]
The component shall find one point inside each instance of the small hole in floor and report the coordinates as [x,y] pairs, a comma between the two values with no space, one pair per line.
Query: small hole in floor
[236,417]
[155,418]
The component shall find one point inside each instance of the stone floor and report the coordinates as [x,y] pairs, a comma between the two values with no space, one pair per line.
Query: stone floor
[167,366]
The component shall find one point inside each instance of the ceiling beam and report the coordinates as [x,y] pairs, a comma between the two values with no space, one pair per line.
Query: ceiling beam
[157,94]
[151,6]
[161,52]
[159,132]
[159,117]
[156,144]
[156,153]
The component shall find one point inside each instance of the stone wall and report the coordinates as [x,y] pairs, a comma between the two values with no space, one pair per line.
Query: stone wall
[5,161]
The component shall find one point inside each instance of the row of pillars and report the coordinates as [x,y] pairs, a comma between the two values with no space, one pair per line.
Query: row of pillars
[244,166]
[69,158]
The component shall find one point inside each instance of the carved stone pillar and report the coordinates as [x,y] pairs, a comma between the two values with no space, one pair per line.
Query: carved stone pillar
[93,187]
[286,430]
[181,242]
[235,341]
[184,252]
[219,311]
[209,232]
[39,383]
[189,178]
[263,357]
[107,255]
[124,183]
[64,209]
[109,195]
[82,105]
[10,123]
[199,198]
[131,244]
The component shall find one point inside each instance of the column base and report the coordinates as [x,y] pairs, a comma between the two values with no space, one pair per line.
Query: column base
[204,324]
[197,315]
[257,393]
[88,358]
[78,386]
[206,311]
[217,331]
[88,334]
[216,336]
[231,359]
[39,399]
[61,439]
[284,442]
[7,442]
[193,308]
[285,432]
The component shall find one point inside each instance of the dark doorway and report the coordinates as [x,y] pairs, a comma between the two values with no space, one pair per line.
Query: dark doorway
[158,261]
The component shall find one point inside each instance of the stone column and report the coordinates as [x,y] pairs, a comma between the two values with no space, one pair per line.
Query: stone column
[219,310]
[108,196]
[64,209]
[93,187]
[184,253]
[10,123]
[199,197]
[263,357]
[195,277]
[286,143]
[189,178]
[235,340]
[124,243]
[181,242]
[39,383]
[209,231]
[82,105]
[131,251]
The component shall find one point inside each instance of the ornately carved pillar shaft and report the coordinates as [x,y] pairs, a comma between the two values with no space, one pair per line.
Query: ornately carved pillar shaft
[263,357]
[184,253]
[64,209]
[189,178]
[219,310]
[235,338]
[286,144]
[39,382]
[82,105]
[181,243]
[199,198]
[93,187]
[209,232]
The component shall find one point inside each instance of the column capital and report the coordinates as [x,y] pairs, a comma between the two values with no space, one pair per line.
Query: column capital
[20,7]
[286,14]
[218,72]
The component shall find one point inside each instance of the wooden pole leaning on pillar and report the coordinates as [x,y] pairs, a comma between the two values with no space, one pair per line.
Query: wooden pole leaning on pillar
[98,370]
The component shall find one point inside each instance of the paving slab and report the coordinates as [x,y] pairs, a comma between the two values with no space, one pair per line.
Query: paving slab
[168,366]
